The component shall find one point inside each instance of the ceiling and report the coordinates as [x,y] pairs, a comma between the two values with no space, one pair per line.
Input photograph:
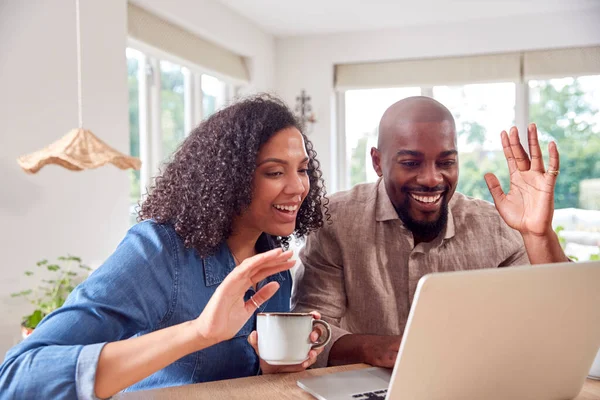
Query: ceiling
[309,17]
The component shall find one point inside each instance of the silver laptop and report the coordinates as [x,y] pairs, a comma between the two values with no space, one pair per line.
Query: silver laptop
[507,333]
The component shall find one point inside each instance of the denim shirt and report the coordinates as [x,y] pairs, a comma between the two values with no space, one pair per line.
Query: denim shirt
[150,282]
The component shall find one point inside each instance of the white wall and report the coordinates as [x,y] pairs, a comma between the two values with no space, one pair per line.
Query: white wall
[307,62]
[214,21]
[56,211]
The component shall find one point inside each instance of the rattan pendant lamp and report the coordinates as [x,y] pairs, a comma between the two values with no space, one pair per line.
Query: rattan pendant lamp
[79,149]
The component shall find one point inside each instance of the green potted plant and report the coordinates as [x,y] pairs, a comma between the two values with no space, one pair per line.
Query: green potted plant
[51,294]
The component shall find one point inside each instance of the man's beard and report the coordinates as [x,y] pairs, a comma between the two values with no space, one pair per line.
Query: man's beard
[429,229]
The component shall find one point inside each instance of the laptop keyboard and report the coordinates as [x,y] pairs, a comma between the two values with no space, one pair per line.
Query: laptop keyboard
[377,394]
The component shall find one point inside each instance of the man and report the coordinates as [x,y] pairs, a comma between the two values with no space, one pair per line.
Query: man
[362,270]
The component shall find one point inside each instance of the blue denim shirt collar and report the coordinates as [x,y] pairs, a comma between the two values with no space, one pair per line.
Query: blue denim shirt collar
[220,264]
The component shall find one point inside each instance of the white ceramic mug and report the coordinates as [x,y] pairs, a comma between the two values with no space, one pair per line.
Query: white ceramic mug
[284,338]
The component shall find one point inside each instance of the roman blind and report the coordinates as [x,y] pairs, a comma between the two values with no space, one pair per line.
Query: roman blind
[164,35]
[561,62]
[516,67]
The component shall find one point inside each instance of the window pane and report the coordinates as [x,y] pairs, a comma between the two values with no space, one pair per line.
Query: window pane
[567,111]
[133,64]
[364,109]
[214,95]
[481,112]
[171,104]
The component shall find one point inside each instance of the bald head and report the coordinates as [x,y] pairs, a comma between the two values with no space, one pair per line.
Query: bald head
[409,111]
[417,157]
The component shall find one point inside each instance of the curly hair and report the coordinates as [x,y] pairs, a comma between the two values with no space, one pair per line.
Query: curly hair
[209,180]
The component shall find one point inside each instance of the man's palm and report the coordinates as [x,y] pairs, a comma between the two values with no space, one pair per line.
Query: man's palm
[522,207]
[529,205]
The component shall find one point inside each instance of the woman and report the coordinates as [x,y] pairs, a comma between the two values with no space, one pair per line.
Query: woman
[175,303]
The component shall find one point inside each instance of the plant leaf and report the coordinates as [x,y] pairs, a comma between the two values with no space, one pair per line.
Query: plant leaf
[34,319]
[51,294]
[22,293]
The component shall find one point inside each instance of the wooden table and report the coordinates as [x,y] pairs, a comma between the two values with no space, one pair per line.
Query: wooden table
[276,387]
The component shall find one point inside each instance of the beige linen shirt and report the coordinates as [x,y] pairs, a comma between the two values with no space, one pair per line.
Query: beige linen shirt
[361,271]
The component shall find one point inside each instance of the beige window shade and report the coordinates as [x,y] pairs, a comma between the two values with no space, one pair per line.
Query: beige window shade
[155,31]
[562,62]
[430,72]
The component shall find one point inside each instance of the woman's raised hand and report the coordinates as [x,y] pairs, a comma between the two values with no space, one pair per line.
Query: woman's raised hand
[226,311]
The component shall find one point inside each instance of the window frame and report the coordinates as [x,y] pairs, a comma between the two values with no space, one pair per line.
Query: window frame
[343,178]
[149,100]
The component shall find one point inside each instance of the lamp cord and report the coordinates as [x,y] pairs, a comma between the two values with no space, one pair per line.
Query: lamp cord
[79,84]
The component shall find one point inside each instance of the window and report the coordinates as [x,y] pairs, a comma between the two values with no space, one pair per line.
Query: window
[567,111]
[171,106]
[214,95]
[133,65]
[364,109]
[481,112]
[166,100]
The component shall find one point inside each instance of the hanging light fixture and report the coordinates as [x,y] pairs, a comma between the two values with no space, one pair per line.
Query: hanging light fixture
[79,149]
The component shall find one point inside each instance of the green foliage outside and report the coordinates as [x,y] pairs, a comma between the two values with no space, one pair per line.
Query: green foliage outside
[134,131]
[172,119]
[473,165]
[209,105]
[172,108]
[564,115]
[358,166]
[52,293]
